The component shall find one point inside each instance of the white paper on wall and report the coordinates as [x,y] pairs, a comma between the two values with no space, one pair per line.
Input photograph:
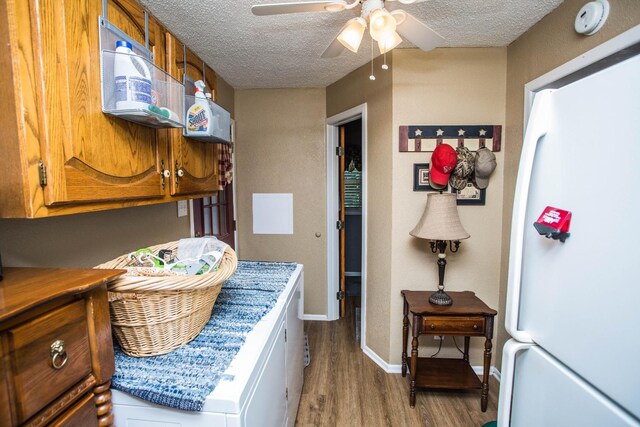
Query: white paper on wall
[272,213]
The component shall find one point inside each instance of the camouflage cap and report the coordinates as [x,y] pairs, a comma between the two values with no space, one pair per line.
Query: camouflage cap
[463,170]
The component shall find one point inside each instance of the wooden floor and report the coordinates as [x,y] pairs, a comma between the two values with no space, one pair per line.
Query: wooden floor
[343,387]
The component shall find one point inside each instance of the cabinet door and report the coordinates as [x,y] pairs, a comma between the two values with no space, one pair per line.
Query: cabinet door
[197,160]
[89,156]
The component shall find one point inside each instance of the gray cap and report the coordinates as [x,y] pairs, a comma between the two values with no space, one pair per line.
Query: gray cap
[463,170]
[485,163]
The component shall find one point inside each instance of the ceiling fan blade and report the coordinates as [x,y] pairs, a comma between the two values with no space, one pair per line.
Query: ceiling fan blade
[282,8]
[407,1]
[335,49]
[418,33]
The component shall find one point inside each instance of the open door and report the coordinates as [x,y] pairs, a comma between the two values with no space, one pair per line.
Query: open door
[213,216]
[341,223]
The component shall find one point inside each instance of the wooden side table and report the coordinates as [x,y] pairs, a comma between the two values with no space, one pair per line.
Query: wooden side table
[467,316]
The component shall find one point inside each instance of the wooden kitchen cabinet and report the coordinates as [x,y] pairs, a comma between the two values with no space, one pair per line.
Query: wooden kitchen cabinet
[197,160]
[61,153]
[56,350]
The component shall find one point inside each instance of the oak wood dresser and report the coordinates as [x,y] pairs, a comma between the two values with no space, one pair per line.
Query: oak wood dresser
[56,350]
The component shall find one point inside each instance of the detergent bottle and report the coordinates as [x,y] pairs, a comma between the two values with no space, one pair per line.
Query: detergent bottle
[132,79]
[199,114]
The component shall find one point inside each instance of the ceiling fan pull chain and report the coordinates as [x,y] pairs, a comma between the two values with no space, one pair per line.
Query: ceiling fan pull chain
[372,77]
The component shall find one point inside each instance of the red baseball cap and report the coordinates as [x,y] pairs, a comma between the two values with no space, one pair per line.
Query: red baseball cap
[443,161]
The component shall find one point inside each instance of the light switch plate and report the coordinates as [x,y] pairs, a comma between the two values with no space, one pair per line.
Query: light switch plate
[183,209]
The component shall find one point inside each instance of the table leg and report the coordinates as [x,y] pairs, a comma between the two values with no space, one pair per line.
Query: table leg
[405,336]
[414,369]
[485,375]
[465,355]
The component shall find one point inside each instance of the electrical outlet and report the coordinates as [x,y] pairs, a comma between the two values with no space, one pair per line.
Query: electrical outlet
[182,208]
[438,337]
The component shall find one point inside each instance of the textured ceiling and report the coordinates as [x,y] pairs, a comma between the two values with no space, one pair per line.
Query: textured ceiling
[284,51]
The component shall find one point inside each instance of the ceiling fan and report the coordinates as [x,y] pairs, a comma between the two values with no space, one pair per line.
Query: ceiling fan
[386,23]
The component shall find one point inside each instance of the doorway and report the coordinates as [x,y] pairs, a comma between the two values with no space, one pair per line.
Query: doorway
[214,216]
[350,176]
[346,218]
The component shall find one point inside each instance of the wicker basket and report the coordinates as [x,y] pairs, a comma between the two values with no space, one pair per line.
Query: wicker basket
[154,312]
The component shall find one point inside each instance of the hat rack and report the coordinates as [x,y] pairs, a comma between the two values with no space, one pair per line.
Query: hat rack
[424,138]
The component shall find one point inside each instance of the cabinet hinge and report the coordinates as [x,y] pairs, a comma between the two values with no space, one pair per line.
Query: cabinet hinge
[286,393]
[340,295]
[339,151]
[339,224]
[43,173]
[285,335]
[234,225]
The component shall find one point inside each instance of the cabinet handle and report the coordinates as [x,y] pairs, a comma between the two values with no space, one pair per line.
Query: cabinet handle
[179,173]
[475,327]
[58,354]
[164,173]
[433,326]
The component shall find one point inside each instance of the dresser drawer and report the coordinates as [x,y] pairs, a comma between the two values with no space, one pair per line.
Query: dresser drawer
[82,414]
[37,381]
[453,325]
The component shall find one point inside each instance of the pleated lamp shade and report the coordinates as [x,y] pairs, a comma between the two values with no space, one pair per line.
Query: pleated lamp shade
[440,220]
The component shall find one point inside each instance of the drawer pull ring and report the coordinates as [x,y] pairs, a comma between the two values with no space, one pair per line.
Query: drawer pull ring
[58,354]
[433,326]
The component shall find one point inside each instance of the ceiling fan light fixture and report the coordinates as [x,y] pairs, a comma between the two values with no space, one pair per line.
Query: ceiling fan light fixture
[351,34]
[388,43]
[382,24]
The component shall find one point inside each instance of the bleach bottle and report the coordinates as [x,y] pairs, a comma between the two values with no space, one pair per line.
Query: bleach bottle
[199,114]
[132,79]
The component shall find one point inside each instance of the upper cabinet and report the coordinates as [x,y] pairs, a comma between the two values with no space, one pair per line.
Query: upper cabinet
[194,162]
[61,153]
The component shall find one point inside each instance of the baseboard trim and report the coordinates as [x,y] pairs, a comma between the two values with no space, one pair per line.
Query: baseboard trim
[390,369]
[496,374]
[320,317]
[397,369]
[492,371]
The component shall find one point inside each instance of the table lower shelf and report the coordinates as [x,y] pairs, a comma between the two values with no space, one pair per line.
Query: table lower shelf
[445,374]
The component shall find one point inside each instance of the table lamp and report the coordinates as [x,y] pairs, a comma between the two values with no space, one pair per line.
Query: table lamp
[440,224]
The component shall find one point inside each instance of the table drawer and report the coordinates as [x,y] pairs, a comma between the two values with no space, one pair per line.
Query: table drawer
[36,379]
[453,325]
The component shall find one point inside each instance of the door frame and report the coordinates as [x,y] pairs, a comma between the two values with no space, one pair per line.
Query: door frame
[332,140]
[234,195]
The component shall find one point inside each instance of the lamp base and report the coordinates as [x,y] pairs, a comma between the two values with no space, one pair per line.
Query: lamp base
[440,298]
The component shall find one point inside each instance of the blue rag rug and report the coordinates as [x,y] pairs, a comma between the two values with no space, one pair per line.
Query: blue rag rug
[184,378]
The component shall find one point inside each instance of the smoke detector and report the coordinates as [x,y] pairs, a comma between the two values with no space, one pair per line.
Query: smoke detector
[592,17]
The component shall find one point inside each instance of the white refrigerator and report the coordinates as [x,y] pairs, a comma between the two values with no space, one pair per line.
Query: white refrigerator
[573,308]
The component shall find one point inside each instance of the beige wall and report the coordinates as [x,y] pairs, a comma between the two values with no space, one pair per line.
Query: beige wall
[348,92]
[280,148]
[445,87]
[547,45]
[85,240]
[225,95]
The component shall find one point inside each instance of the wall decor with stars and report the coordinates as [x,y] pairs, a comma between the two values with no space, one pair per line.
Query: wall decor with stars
[419,138]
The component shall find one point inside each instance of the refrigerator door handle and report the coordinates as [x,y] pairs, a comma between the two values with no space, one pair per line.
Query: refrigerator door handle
[536,129]
[509,353]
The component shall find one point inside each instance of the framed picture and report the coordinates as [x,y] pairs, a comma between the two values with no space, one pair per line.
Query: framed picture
[470,195]
[421,178]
